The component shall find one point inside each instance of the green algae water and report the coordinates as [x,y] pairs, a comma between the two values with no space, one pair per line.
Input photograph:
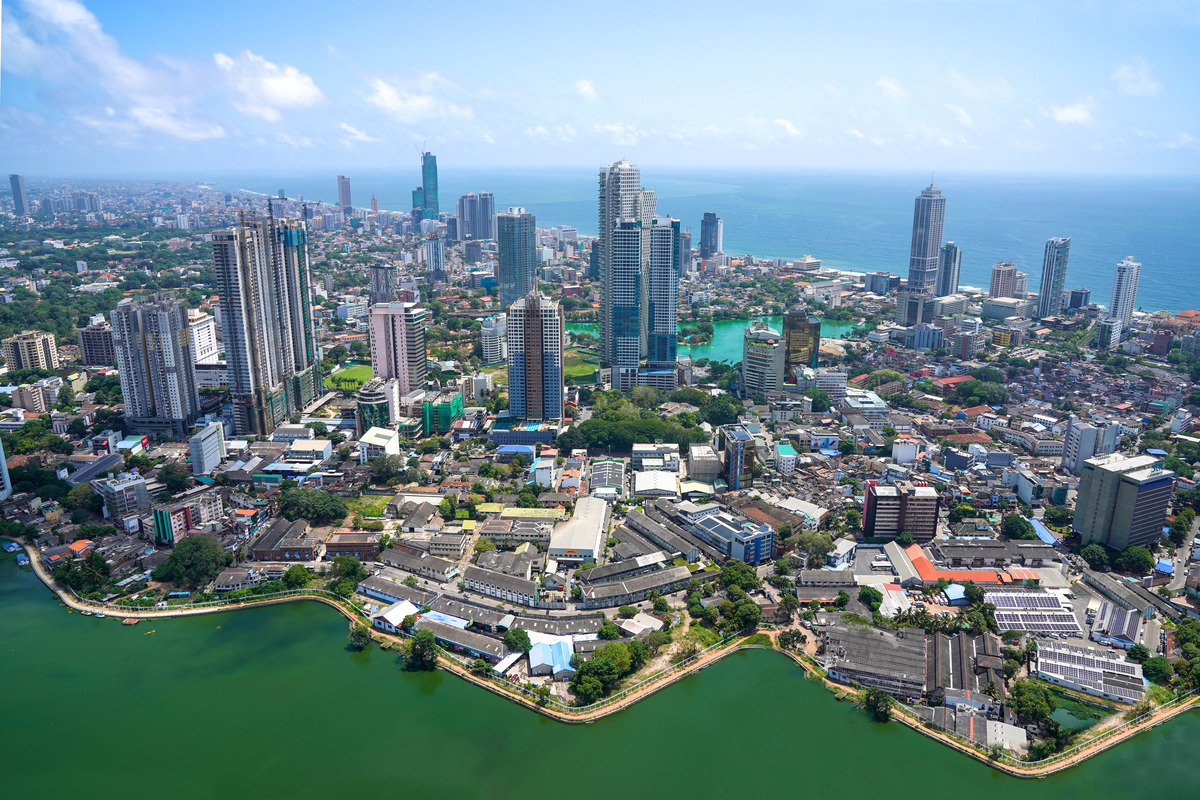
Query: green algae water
[266,703]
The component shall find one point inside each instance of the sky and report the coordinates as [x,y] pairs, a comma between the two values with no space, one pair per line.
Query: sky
[127,88]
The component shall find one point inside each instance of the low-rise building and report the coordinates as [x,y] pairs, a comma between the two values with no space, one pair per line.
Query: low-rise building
[284,540]
[508,588]
[1098,671]
[582,537]
[634,590]
[887,660]
[425,566]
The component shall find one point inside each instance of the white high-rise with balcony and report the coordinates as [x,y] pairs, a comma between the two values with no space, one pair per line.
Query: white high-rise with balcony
[398,344]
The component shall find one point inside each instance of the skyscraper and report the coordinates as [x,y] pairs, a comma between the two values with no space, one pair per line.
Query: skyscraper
[344,195]
[1054,277]
[1122,500]
[949,267]
[712,233]
[685,251]
[383,282]
[929,215]
[398,344]
[267,320]
[623,206]
[763,360]
[476,216]
[1004,279]
[662,293]
[1124,296]
[425,196]
[153,349]
[21,205]
[434,251]
[535,357]
[802,339]
[516,272]
[31,350]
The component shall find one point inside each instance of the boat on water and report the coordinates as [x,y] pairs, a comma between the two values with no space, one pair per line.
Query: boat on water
[130,621]
[22,560]
[99,616]
[149,633]
[86,613]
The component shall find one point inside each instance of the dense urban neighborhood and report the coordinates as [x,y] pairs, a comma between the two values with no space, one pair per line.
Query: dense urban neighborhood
[568,462]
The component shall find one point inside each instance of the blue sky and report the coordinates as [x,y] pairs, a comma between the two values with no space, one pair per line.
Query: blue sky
[144,88]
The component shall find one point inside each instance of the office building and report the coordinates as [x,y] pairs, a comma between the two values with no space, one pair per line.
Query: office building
[929,215]
[735,538]
[1122,501]
[31,350]
[764,360]
[924,337]
[207,448]
[516,272]
[903,507]
[536,332]
[1054,277]
[21,206]
[383,282]
[949,267]
[154,358]
[343,186]
[881,283]
[123,495]
[96,345]
[1083,441]
[203,330]
[1108,333]
[802,339]
[398,344]
[685,251]
[425,196]
[913,308]
[712,235]
[622,208]
[662,293]
[1004,280]
[738,444]
[494,332]
[267,325]
[1124,296]
[187,512]
[476,217]
[434,251]
[1079,298]
[378,404]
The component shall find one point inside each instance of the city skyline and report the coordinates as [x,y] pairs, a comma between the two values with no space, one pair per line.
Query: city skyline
[1114,97]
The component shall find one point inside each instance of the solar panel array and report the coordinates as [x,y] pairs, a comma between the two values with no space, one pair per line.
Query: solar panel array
[1088,658]
[1088,669]
[1023,600]
[1038,622]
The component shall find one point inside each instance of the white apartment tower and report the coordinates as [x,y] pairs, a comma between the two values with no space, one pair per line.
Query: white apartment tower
[398,344]
[153,351]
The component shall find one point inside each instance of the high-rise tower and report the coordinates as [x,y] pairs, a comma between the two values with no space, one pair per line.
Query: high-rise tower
[535,357]
[153,349]
[929,215]
[801,339]
[425,196]
[1004,280]
[623,208]
[383,282]
[516,272]
[267,321]
[1054,276]
[662,293]
[712,234]
[344,196]
[476,216]
[398,344]
[1124,296]
[21,205]
[949,267]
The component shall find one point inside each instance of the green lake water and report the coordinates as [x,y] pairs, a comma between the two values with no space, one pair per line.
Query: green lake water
[266,703]
[726,344]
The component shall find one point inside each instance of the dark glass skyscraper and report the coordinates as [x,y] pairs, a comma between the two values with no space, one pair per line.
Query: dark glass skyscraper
[949,267]
[476,216]
[20,197]
[516,273]
[711,235]
[1054,277]
[801,340]
[929,215]
[344,195]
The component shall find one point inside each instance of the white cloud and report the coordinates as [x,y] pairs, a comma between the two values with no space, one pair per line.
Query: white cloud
[355,135]
[1180,141]
[891,88]
[562,133]
[981,89]
[1077,113]
[961,114]
[415,106]
[789,128]
[619,133]
[266,87]
[873,139]
[586,89]
[1136,79]
[294,141]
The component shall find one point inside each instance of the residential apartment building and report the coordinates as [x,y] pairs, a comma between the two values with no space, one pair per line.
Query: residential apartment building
[155,359]
[902,507]
[398,350]
[31,350]
[536,334]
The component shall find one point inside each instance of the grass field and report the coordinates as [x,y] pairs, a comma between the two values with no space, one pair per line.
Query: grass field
[369,505]
[356,375]
[577,369]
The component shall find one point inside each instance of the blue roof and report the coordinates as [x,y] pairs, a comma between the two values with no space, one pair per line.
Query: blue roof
[955,592]
[557,654]
[1042,531]
[515,448]
[1157,452]
[1165,566]
[446,619]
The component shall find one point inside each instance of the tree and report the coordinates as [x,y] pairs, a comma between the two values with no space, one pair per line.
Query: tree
[175,478]
[195,561]
[871,597]
[1016,526]
[422,651]
[609,631]
[517,640]
[738,573]
[1031,701]
[877,703]
[905,539]
[843,599]
[961,512]
[661,606]
[1059,515]
[1135,560]
[853,519]
[1138,654]
[820,399]
[484,545]
[1157,669]
[627,612]
[82,496]
[296,577]
[386,467]
[360,637]
[313,505]
[1096,556]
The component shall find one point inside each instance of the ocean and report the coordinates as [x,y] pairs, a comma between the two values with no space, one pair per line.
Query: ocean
[859,221]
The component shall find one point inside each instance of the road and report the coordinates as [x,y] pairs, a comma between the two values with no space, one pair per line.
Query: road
[1182,559]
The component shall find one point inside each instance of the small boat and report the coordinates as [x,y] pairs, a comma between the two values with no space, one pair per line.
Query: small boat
[149,633]
[130,621]
[86,613]
[99,616]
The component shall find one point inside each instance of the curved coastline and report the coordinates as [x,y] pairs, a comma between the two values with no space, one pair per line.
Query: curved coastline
[652,685]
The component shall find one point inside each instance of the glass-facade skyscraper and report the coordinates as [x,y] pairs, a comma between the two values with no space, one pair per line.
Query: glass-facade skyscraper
[801,340]
[712,234]
[1054,277]
[21,205]
[949,267]
[516,272]
[425,196]
[476,216]
[662,290]
[344,196]
[929,215]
